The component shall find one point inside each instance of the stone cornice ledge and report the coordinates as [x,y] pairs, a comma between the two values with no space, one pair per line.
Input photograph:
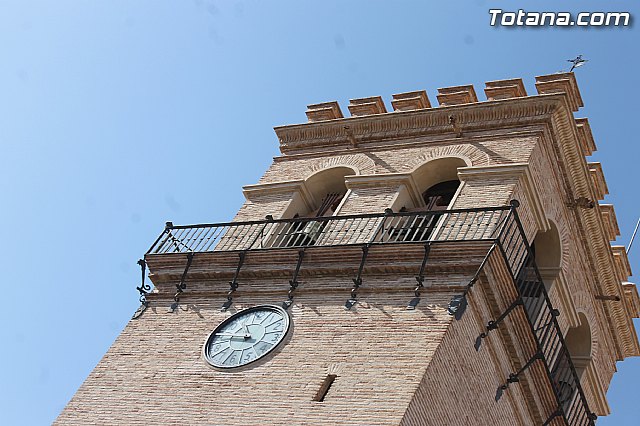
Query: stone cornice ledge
[387,180]
[349,132]
[381,180]
[519,171]
[590,223]
[252,192]
[260,189]
[609,278]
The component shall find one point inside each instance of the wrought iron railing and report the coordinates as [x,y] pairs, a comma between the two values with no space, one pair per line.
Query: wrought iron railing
[383,228]
[551,346]
[499,225]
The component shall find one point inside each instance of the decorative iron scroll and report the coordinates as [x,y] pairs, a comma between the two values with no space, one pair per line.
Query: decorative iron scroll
[144,289]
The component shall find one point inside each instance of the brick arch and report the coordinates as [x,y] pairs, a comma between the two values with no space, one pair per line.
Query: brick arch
[584,305]
[471,156]
[565,239]
[563,232]
[550,247]
[360,163]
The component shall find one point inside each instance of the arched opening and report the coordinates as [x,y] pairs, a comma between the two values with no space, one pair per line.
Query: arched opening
[437,182]
[321,196]
[578,341]
[548,254]
[327,189]
[578,346]
[440,195]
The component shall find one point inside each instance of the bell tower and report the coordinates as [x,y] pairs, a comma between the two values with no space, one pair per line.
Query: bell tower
[427,265]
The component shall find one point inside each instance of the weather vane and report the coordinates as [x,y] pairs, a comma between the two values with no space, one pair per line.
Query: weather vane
[577,62]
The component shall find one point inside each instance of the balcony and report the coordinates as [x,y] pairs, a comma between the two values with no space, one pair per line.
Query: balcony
[389,228]
[499,227]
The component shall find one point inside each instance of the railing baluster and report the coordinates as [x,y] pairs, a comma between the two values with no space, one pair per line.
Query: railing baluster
[348,225]
[217,237]
[198,240]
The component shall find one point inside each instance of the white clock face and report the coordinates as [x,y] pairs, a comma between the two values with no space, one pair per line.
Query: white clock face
[246,336]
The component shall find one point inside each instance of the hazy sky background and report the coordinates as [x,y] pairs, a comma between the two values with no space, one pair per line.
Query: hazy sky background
[118,115]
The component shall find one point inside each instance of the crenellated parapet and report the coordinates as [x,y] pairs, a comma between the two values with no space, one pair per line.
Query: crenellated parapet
[497,90]
[597,180]
[457,95]
[505,89]
[367,106]
[610,222]
[410,101]
[561,83]
[324,111]
[585,136]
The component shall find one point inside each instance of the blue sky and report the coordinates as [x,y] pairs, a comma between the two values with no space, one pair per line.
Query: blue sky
[118,115]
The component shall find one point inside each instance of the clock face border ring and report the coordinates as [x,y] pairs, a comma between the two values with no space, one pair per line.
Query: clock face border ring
[288,326]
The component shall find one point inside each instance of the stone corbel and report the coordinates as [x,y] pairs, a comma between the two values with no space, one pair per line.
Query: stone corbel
[519,171]
[632,301]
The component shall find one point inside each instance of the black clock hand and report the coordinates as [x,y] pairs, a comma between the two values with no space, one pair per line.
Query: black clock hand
[244,324]
[245,336]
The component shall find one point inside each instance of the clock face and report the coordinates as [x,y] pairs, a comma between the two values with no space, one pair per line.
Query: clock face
[246,336]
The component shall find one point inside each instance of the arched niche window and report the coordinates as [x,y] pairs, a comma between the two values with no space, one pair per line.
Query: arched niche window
[548,254]
[578,341]
[440,195]
[578,344]
[319,196]
[326,189]
[435,184]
